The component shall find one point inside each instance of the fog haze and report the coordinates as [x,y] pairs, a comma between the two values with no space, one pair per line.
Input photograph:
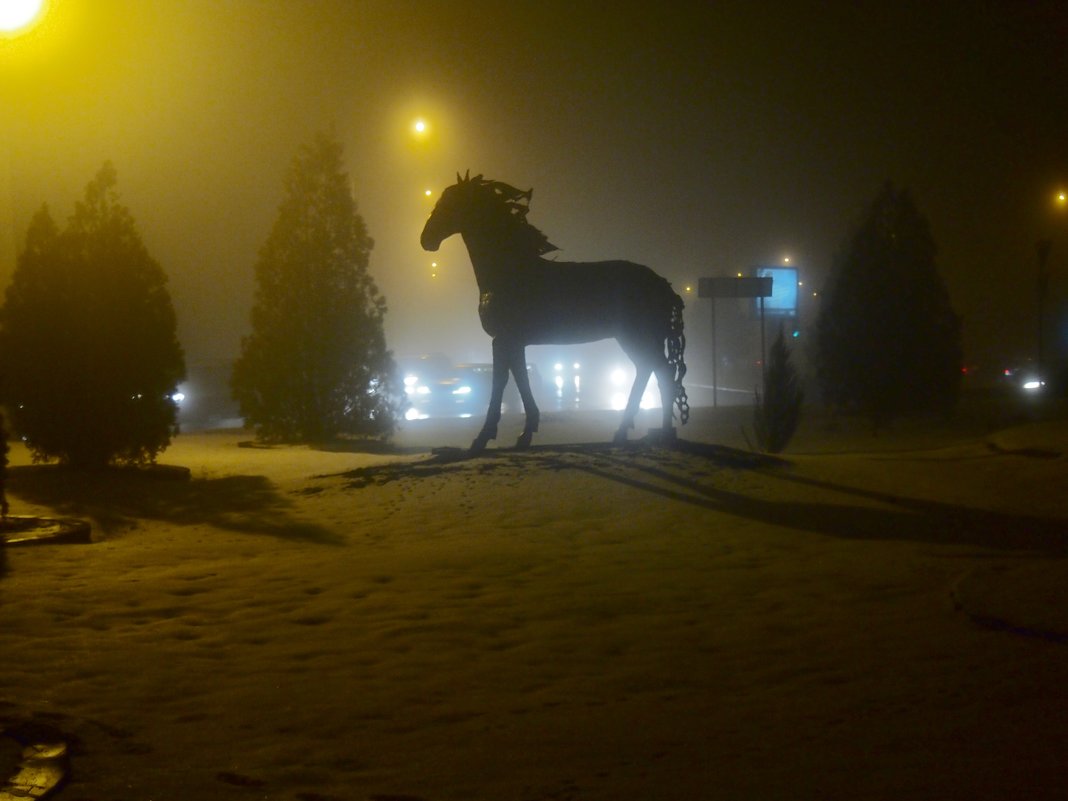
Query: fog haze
[699,139]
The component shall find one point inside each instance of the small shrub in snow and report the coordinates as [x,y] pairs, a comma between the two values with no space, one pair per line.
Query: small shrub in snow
[776,415]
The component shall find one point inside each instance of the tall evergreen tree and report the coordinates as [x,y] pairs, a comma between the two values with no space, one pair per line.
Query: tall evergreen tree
[316,364]
[89,337]
[887,340]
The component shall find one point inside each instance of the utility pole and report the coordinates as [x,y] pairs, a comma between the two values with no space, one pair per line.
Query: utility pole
[1042,249]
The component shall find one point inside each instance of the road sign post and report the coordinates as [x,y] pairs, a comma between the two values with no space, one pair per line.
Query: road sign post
[724,287]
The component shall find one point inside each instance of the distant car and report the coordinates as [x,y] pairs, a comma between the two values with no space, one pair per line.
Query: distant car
[593,378]
[435,387]
[479,376]
[1025,377]
[204,399]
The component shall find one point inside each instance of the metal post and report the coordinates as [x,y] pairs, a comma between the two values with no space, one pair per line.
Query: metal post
[763,352]
[722,287]
[715,358]
[1042,248]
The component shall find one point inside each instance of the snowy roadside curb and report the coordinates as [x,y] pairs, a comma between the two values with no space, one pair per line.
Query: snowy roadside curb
[19,530]
[41,771]
[1029,599]
[1045,440]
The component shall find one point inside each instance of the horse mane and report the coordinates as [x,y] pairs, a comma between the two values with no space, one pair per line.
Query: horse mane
[514,205]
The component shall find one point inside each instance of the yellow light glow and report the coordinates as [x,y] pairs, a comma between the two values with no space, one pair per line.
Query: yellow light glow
[1062,198]
[428,193]
[419,127]
[17,16]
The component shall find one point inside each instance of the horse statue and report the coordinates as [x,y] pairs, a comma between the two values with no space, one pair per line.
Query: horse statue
[525,299]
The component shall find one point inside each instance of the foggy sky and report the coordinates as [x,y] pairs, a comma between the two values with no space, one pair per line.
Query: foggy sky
[697,138]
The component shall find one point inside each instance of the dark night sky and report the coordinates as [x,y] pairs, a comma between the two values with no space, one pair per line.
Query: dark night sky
[697,138]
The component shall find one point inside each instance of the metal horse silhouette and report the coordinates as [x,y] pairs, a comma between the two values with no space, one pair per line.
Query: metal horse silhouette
[525,299]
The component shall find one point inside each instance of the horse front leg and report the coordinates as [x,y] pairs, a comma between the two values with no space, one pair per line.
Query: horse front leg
[530,408]
[493,414]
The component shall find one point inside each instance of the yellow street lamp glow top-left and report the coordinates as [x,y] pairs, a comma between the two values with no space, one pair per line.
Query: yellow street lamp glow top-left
[18,16]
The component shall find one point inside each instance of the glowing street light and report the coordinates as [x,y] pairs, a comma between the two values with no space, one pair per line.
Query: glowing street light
[1042,250]
[18,16]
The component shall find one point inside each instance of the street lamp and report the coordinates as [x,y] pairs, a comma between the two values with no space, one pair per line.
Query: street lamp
[17,20]
[1042,249]
[420,128]
[18,16]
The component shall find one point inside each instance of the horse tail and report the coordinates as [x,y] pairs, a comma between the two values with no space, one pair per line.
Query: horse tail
[676,347]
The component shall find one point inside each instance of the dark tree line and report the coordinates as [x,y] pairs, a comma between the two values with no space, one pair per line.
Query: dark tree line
[91,359]
[88,342]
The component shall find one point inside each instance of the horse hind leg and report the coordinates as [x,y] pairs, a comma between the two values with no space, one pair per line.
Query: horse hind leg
[641,379]
[665,380]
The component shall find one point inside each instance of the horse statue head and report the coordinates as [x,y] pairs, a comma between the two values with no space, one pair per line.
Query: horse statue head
[492,208]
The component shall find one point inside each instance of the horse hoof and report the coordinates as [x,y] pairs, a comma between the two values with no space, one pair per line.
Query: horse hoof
[523,442]
[665,437]
[620,439]
[477,446]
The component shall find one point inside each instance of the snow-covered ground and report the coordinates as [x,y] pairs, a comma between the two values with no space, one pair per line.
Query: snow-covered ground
[878,617]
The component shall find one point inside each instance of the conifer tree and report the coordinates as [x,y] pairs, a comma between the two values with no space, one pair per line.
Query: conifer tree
[887,340]
[316,365]
[776,415]
[89,337]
